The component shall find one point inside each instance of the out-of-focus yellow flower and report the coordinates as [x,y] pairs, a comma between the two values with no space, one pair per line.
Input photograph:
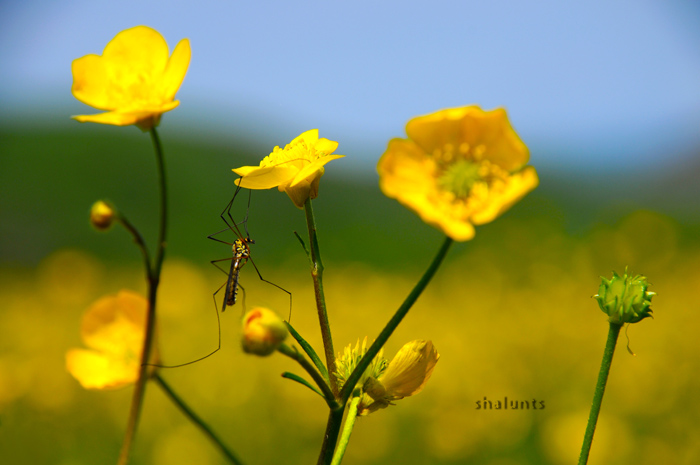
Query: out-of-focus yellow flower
[296,169]
[405,376]
[101,215]
[263,331]
[113,328]
[458,168]
[134,79]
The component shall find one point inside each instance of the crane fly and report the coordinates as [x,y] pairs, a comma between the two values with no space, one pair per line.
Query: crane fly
[240,249]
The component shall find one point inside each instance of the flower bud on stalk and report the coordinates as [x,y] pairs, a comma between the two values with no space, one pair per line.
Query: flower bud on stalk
[263,331]
[625,299]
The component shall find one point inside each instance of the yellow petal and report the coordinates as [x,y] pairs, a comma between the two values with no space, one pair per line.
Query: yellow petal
[264,178]
[472,126]
[326,146]
[136,53]
[456,228]
[116,324]
[95,370]
[310,136]
[91,82]
[300,193]
[120,118]
[519,185]
[435,130]
[410,369]
[309,170]
[176,69]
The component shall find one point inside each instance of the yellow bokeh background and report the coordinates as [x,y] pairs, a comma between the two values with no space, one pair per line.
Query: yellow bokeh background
[511,318]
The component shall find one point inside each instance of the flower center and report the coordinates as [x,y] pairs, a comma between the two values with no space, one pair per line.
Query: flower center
[459,177]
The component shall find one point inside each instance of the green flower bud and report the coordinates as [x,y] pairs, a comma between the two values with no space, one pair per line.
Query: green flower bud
[625,299]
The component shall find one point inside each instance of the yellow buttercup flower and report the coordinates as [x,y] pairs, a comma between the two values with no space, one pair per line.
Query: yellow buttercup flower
[113,328]
[134,79]
[405,376]
[458,168]
[296,169]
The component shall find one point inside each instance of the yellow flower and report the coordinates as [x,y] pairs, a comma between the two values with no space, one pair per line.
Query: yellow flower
[263,331]
[134,79]
[405,376]
[459,167]
[296,169]
[113,328]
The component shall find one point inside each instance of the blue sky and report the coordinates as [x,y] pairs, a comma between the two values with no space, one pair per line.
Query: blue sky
[608,82]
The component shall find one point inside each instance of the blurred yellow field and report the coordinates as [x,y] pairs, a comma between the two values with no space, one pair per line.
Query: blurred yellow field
[511,320]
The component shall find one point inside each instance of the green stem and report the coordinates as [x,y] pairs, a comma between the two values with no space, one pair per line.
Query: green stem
[347,431]
[330,437]
[394,322]
[162,182]
[138,239]
[309,350]
[317,275]
[177,400]
[153,281]
[311,370]
[613,333]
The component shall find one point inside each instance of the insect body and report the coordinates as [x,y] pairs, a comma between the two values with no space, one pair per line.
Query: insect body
[241,254]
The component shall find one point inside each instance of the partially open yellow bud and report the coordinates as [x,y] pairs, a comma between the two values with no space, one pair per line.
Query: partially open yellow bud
[263,331]
[405,376]
[101,215]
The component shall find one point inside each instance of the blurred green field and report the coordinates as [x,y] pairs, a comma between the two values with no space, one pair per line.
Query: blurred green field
[510,313]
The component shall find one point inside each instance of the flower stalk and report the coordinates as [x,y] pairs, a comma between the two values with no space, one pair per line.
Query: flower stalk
[317,276]
[194,418]
[153,272]
[294,354]
[608,353]
[347,431]
[395,320]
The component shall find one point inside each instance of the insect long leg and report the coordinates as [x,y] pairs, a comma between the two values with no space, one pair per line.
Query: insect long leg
[218,346]
[233,225]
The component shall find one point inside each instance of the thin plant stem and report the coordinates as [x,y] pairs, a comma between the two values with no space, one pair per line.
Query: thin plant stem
[309,350]
[376,346]
[153,281]
[608,353]
[177,400]
[294,354]
[347,431]
[138,239]
[317,275]
[163,184]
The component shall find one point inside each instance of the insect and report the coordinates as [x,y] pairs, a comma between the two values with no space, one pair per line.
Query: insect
[240,249]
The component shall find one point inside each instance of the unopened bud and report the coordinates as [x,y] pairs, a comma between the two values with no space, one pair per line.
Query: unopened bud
[101,215]
[263,331]
[625,298]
